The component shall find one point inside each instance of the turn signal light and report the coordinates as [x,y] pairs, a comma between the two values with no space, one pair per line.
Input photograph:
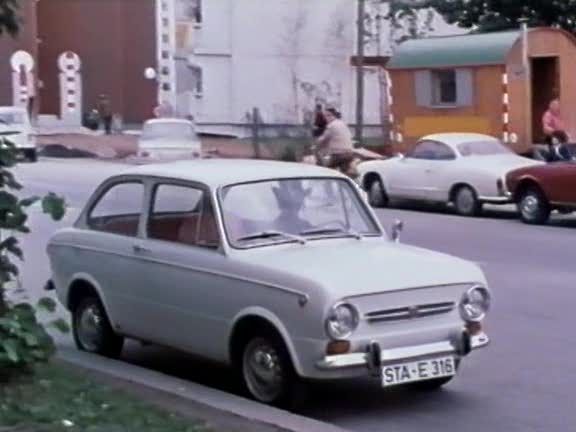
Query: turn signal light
[474,328]
[338,347]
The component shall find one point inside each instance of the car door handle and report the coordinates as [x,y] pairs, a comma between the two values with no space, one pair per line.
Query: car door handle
[140,249]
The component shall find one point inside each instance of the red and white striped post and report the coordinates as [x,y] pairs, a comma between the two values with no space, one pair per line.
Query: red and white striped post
[70,88]
[22,78]
[505,109]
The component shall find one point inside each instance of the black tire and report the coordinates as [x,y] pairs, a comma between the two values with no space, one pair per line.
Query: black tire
[377,196]
[533,206]
[31,155]
[101,338]
[266,354]
[466,201]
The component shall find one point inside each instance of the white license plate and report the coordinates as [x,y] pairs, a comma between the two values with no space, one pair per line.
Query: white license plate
[403,373]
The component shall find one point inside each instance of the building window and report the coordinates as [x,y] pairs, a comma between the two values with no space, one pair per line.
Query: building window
[198,80]
[444,87]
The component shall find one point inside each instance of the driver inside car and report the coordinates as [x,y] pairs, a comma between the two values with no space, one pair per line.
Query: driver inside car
[290,197]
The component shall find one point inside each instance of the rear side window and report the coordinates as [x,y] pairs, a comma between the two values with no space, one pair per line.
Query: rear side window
[118,209]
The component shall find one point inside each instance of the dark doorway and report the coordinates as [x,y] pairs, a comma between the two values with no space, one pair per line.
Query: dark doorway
[545,87]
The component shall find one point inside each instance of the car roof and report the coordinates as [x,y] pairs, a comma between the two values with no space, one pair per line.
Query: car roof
[455,138]
[168,120]
[223,172]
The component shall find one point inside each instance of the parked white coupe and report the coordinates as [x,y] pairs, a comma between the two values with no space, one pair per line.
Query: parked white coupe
[281,270]
[465,169]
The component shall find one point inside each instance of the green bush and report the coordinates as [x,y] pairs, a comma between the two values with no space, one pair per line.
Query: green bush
[24,341]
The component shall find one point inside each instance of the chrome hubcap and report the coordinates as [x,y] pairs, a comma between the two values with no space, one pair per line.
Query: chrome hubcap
[530,205]
[465,200]
[262,371]
[90,328]
[376,193]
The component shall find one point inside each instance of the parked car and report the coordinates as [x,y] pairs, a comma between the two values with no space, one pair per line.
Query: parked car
[280,270]
[540,190]
[467,170]
[15,126]
[166,139]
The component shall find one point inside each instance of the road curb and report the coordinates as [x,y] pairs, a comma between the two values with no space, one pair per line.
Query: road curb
[209,404]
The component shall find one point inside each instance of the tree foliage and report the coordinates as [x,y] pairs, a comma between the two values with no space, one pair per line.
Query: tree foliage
[495,15]
[8,17]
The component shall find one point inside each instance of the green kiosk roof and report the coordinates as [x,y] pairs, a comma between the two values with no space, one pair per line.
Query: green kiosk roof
[452,51]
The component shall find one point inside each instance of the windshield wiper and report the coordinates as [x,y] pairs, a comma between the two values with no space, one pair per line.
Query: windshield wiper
[328,231]
[270,234]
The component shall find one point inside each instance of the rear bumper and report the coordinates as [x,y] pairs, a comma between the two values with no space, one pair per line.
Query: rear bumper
[375,357]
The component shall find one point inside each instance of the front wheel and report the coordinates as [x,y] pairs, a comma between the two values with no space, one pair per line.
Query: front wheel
[466,201]
[92,330]
[533,207]
[267,371]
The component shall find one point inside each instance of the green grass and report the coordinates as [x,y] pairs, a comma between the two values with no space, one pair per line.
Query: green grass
[57,399]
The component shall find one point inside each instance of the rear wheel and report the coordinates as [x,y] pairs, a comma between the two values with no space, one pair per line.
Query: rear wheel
[534,207]
[466,201]
[377,196]
[31,155]
[92,330]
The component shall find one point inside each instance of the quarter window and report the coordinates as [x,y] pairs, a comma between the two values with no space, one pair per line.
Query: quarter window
[118,209]
[183,214]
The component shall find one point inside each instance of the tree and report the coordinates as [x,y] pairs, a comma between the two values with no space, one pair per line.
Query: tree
[495,15]
[8,17]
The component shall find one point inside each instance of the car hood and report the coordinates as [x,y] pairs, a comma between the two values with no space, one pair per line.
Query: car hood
[350,267]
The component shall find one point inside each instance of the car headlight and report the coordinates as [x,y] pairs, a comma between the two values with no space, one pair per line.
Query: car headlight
[475,304]
[342,320]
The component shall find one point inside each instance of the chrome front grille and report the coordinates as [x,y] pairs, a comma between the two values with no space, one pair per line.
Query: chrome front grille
[410,312]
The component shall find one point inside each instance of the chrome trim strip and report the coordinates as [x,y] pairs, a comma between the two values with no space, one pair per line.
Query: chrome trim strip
[468,284]
[410,312]
[304,297]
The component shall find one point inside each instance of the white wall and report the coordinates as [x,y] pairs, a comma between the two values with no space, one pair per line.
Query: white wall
[279,56]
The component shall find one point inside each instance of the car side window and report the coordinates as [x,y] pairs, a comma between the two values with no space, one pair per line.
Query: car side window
[432,150]
[118,209]
[183,214]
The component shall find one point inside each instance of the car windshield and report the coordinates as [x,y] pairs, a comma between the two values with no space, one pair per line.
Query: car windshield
[182,131]
[483,148]
[12,118]
[294,210]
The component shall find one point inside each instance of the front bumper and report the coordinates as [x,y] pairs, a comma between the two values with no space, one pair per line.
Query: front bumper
[375,357]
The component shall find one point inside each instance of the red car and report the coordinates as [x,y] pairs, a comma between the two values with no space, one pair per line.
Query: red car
[541,189]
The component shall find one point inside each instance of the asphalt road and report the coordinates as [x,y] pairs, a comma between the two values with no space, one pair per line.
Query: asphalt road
[524,381]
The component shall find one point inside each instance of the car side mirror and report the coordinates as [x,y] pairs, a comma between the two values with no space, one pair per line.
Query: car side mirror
[397,229]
